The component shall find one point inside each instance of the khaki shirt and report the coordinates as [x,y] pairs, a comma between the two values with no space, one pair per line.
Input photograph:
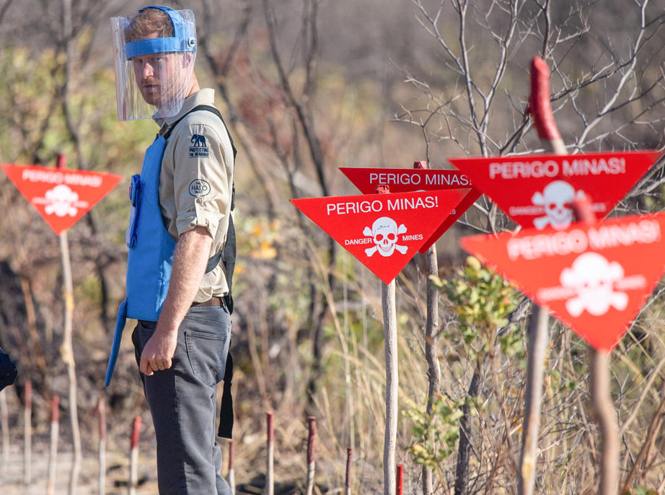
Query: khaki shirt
[196,181]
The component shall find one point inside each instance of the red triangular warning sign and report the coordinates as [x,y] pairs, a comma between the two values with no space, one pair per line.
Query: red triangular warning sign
[592,278]
[469,198]
[537,190]
[61,196]
[405,180]
[382,231]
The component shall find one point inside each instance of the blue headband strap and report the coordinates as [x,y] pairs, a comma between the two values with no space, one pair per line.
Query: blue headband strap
[153,45]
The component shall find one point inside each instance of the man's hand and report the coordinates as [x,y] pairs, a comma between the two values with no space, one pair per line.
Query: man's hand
[158,352]
[189,263]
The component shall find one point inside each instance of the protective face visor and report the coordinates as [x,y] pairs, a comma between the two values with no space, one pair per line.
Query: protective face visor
[153,70]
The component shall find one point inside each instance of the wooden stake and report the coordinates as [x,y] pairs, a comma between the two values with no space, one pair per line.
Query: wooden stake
[392,377]
[431,328]
[349,460]
[400,479]
[311,423]
[536,351]
[67,349]
[134,456]
[270,475]
[27,434]
[53,454]
[543,120]
[605,416]
[600,390]
[232,474]
[101,411]
[392,383]
[4,414]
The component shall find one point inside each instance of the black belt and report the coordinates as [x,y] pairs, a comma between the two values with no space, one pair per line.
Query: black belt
[213,301]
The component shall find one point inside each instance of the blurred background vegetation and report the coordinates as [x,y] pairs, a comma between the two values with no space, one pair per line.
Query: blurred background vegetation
[307,86]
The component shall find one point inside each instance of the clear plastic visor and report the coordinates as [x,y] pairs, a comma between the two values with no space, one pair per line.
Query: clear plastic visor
[153,74]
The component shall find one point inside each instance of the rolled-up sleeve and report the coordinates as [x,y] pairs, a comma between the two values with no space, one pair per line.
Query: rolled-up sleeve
[201,179]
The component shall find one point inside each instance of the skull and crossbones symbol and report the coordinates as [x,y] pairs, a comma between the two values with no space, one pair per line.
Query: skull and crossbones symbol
[557,198]
[384,232]
[592,277]
[61,200]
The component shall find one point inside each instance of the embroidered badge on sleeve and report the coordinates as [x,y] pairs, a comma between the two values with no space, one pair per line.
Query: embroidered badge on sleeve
[199,147]
[199,188]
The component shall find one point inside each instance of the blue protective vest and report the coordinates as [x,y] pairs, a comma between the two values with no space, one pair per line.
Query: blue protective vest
[150,245]
[151,250]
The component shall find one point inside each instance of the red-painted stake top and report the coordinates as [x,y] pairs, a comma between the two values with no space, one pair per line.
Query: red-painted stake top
[311,423]
[456,184]
[270,426]
[382,231]
[538,190]
[136,432]
[61,196]
[27,394]
[540,105]
[232,454]
[592,278]
[55,409]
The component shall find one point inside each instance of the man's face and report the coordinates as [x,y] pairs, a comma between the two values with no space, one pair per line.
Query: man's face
[157,76]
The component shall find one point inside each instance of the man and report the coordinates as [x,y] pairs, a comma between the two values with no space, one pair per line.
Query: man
[178,285]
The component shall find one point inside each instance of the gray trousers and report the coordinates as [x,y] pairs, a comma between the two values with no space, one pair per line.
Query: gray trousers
[182,402]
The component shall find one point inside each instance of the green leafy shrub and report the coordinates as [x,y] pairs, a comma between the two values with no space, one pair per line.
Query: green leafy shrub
[484,300]
[435,434]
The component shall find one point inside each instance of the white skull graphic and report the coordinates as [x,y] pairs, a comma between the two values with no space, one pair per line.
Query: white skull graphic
[557,199]
[60,200]
[592,277]
[384,232]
